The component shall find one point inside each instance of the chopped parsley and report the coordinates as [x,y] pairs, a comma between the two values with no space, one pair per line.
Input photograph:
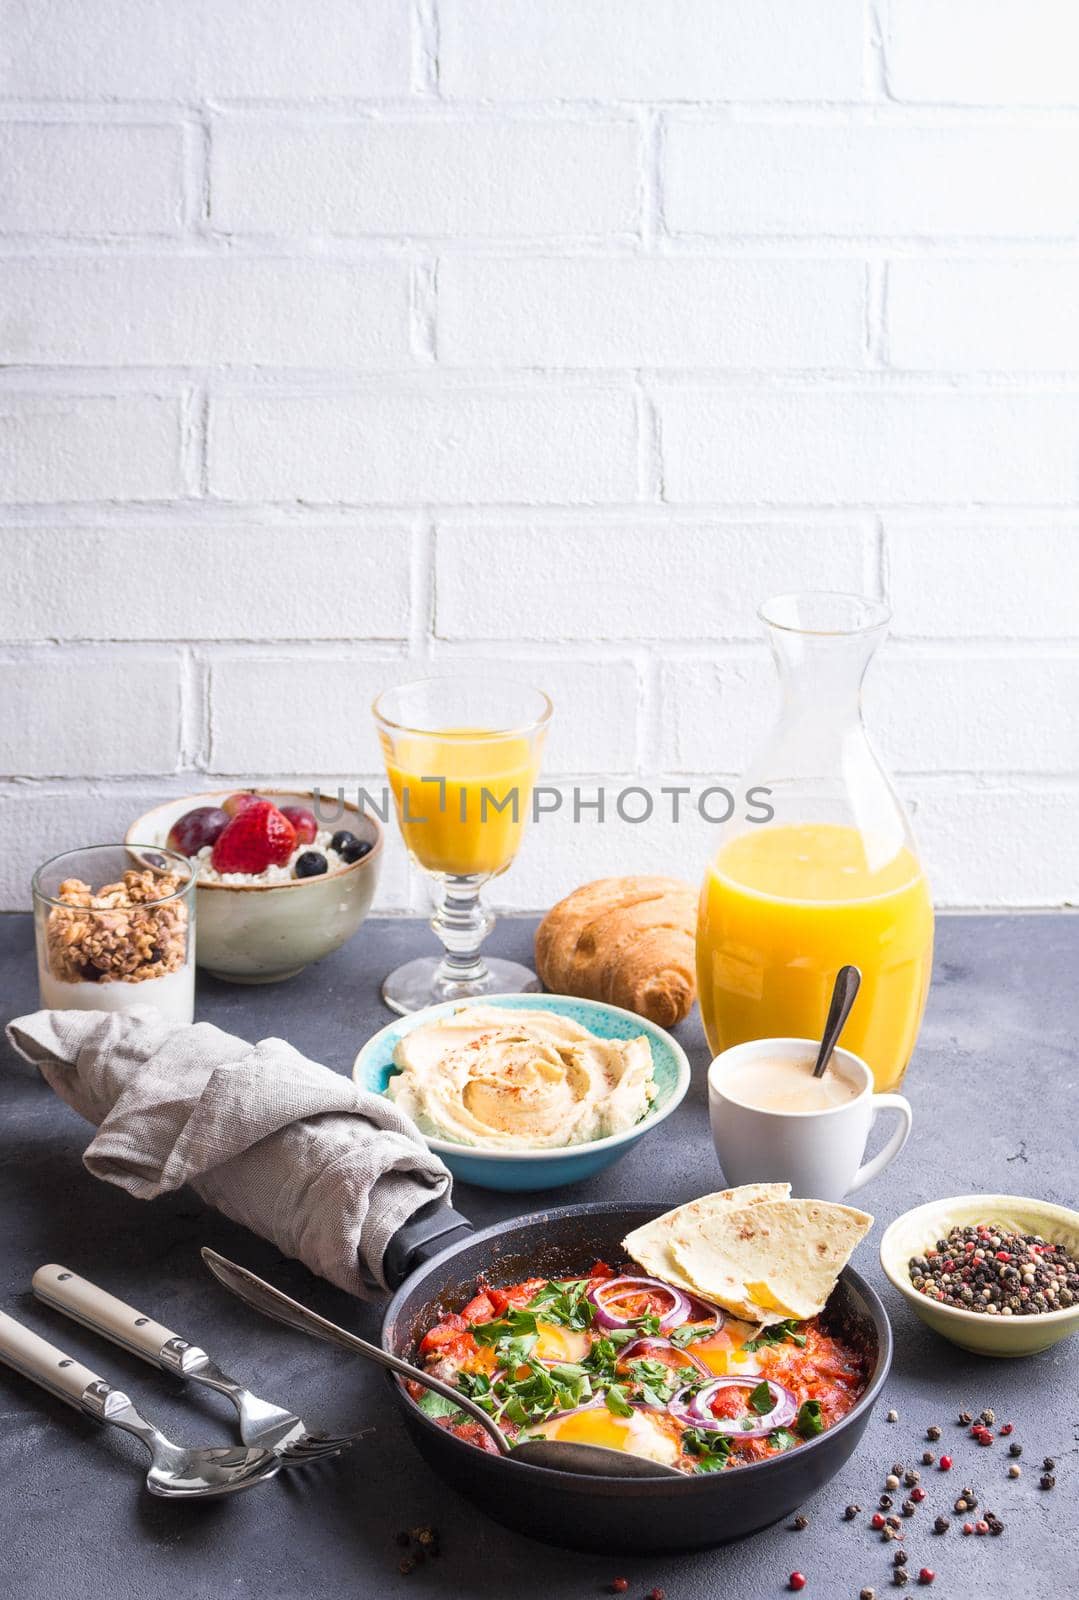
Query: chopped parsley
[601,1359]
[477,1385]
[762,1400]
[778,1333]
[690,1332]
[711,1451]
[435,1405]
[809,1420]
[541,1391]
[513,1324]
[660,1380]
[617,1403]
[565,1303]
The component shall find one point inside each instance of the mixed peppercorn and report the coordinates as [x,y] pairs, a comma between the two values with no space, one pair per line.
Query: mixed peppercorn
[890,1529]
[421,1543]
[997,1274]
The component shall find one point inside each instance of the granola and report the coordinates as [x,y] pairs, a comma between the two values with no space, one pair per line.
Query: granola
[127,932]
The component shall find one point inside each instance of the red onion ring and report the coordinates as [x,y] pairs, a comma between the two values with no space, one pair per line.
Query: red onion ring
[641,1349]
[697,1408]
[701,1311]
[610,1288]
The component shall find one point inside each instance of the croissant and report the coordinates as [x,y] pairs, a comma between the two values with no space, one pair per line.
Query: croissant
[628,941]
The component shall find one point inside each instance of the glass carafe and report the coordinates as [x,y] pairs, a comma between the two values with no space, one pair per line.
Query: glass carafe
[832,875]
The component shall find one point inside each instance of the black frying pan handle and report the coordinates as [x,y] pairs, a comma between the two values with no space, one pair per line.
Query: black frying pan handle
[428,1231]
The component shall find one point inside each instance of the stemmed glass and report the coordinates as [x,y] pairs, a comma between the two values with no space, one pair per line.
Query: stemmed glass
[461,754]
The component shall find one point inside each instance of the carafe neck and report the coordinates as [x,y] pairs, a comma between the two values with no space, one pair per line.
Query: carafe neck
[818,764]
[820,677]
[822,644]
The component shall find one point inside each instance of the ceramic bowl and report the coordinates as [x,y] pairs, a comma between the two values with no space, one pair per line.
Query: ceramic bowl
[918,1230]
[515,1170]
[264,932]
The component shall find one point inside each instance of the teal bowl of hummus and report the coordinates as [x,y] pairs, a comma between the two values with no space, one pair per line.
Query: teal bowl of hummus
[533,1091]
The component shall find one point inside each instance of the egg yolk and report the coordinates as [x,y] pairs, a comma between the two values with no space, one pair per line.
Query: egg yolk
[554,1343]
[643,1434]
[723,1352]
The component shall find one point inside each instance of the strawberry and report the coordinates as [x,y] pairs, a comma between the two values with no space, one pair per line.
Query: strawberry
[256,838]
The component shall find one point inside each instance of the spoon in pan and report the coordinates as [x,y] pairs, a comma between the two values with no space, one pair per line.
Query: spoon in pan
[557,1454]
[848,980]
[175,1472]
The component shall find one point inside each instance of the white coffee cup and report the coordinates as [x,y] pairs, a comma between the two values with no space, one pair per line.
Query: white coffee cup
[819,1153]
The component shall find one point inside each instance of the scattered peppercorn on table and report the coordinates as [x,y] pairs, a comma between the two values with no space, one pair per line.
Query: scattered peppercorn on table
[992,1446]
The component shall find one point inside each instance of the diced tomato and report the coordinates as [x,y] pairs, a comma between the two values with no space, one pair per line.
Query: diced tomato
[451,1330]
[478,1309]
[472,1433]
[600,1269]
[729,1402]
[518,1295]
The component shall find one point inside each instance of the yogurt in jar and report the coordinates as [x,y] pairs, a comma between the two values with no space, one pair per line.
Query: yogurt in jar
[173,994]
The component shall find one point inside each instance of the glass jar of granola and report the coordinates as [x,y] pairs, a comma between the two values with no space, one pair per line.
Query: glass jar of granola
[115,928]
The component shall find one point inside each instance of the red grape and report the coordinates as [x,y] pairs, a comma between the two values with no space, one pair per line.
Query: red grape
[239,802]
[196,828]
[303,821]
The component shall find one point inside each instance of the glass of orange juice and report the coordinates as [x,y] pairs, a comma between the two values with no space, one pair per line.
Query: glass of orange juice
[830,873]
[462,754]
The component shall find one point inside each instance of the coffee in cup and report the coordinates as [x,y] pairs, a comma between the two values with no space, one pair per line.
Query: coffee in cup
[773,1122]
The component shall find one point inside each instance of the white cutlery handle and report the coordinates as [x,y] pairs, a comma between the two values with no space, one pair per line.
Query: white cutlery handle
[103,1313]
[36,1358]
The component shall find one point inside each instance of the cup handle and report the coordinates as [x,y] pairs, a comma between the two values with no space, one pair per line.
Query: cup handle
[884,1158]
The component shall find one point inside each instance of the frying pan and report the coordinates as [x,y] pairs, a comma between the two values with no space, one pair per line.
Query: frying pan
[434,1263]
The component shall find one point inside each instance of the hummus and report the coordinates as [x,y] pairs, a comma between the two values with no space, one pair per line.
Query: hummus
[520,1080]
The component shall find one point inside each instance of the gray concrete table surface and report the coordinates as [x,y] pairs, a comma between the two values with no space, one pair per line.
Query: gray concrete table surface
[993,1085]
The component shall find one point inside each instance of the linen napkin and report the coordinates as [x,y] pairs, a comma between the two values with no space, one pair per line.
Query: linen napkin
[295,1152]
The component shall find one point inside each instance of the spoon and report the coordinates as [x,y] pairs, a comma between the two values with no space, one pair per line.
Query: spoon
[557,1454]
[848,981]
[175,1472]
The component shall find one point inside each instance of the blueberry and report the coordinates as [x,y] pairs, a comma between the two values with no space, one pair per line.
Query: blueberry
[348,847]
[311,864]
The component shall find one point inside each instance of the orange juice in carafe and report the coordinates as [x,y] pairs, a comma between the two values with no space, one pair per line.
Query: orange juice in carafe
[782,909]
[833,876]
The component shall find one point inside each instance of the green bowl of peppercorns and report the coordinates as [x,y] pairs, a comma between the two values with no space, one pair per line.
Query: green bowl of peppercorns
[997,1274]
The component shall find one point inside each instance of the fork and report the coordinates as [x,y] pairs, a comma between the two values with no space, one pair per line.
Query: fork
[176,1472]
[264,1425]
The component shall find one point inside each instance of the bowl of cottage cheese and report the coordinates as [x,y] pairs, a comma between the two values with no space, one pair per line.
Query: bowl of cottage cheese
[268,922]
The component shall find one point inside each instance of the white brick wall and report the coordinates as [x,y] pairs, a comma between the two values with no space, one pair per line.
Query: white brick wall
[90,179]
[854,177]
[197,311]
[366,339]
[545,445]
[518,177]
[647,50]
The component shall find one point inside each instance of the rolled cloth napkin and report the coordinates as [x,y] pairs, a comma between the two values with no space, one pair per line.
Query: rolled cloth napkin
[295,1152]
